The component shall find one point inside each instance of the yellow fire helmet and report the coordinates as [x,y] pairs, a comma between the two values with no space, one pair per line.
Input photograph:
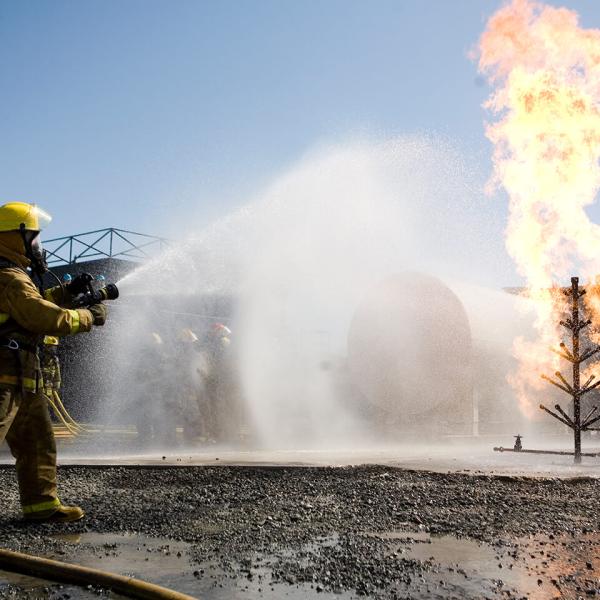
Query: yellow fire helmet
[187,335]
[50,340]
[20,215]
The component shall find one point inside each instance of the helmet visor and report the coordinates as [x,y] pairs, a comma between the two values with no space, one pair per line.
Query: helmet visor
[42,217]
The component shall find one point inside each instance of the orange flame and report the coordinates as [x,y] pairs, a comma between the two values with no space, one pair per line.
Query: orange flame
[545,70]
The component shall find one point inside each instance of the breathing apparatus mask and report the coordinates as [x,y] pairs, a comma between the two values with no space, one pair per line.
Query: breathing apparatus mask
[35,251]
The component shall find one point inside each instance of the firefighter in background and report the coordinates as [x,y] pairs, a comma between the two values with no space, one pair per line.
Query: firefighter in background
[220,386]
[166,391]
[188,398]
[27,316]
[50,365]
[150,412]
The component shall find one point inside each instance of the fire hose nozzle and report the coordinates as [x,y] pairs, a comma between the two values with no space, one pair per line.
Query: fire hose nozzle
[109,292]
[91,297]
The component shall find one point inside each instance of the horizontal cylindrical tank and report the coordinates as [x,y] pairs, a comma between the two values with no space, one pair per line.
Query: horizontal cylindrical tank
[409,349]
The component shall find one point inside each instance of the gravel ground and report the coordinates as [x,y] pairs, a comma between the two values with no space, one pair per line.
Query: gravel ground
[350,530]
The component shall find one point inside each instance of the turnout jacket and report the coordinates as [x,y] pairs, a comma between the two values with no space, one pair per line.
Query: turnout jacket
[33,315]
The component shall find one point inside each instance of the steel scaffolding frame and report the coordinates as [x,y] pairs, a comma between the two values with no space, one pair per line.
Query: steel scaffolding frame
[103,243]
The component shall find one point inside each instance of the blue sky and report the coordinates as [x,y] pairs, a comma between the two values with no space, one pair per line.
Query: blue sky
[134,113]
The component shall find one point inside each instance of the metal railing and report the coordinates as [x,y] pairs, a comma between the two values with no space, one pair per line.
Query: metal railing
[103,243]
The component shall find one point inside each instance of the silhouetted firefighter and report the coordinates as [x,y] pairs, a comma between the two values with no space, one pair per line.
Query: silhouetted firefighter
[575,356]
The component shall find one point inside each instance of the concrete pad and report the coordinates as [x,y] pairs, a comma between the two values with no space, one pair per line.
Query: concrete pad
[439,459]
[462,455]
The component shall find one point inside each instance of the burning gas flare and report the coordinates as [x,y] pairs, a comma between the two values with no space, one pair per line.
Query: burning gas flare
[545,106]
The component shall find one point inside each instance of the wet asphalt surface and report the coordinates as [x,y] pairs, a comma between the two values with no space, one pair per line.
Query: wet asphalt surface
[353,531]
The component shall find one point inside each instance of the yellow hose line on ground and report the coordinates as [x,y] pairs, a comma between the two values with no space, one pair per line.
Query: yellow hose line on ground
[61,417]
[64,411]
[67,573]
[61,413]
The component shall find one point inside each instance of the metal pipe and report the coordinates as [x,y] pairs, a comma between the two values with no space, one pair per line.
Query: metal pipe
[558,385]
[589,353]
[575,295]
[566,351]
[564,381]
[557,417]
[564,414]
[590,413]
[589,388]
[590,379]
[587,425]
[568,324]
[559,452]
[562,354]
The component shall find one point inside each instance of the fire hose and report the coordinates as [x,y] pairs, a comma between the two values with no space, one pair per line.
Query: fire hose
[62,414]
[54,570]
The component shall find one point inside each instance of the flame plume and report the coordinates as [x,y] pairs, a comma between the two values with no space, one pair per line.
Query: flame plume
[545,73]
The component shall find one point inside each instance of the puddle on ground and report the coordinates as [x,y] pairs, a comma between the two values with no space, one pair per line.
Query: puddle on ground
[164,562]
[538,567]
[474,566]
[14,585]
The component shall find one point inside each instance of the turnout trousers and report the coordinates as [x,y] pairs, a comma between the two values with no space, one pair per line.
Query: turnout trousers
[26,426]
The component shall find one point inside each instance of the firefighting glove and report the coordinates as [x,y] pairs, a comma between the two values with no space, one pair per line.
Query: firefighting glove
[99,313]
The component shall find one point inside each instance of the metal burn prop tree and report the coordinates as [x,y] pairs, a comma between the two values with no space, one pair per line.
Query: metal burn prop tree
[576,356]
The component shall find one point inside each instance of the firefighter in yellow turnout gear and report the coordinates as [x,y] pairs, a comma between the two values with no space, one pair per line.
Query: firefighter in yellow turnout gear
[50,364]
[25,317]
